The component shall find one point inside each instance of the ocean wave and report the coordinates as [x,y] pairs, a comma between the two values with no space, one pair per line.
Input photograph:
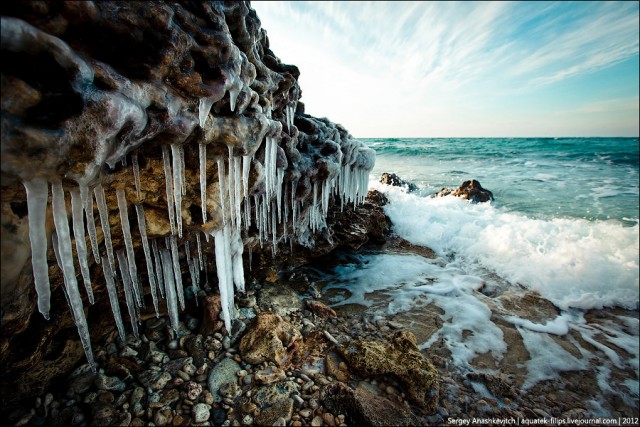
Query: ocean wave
[572,262]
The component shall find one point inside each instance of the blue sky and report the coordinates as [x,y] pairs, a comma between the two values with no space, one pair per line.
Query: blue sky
[438,69]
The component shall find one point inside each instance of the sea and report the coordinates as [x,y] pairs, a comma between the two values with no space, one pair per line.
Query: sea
[563,226]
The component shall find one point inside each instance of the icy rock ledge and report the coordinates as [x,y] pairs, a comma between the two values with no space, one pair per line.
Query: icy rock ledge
[180,127]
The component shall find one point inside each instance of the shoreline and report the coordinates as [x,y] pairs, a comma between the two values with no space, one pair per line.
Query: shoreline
[129,390]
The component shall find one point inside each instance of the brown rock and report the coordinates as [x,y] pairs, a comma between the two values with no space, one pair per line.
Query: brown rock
[363,406]
[270,338]
[320,309]
[211,308]
[400,357]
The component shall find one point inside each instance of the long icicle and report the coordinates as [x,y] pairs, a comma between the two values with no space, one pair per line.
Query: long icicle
[221,189]
[223,278]
[177,271]
[128,243]
[87,205]
[66,256]
[113,297]
[178,178]
[81,243]
[136,174]
[104,220]
[170,289]
[168,178]
[37,197]
[142,226]
[202,150]
[158,262]
[128,292]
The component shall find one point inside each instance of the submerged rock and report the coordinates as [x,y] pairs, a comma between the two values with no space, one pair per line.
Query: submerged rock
[396,181]
[470,190]
[400,357]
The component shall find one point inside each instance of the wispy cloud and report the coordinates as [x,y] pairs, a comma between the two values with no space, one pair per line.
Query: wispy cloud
[418,54]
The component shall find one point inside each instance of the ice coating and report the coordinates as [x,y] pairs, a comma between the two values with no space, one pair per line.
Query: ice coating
[37,199]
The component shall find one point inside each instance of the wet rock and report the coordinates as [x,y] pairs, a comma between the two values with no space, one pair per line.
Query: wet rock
[104,382]
[269,338]
[211,308]
[470,190]
[155,380]
[270,374]
[281,299]
[274,402]
[201,412]
[396,181]
[363,406]
[223,373]
[400,357]
[320,309]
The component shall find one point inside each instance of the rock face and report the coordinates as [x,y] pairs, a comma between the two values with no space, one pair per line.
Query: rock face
[144,143]
[470,190]
[400,357]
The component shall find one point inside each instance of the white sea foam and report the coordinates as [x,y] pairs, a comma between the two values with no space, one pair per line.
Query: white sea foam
[571,262]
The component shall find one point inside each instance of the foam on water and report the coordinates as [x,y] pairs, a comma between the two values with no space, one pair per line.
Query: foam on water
[571,262]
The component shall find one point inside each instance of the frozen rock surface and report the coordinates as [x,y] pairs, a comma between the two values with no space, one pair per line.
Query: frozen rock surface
[179,127]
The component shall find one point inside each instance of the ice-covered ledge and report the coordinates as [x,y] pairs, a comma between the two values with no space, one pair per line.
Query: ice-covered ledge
[181,111]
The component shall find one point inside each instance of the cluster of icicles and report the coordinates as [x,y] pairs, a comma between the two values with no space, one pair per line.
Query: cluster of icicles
[271,208]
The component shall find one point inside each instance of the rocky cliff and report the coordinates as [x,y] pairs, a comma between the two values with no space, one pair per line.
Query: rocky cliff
[149,149]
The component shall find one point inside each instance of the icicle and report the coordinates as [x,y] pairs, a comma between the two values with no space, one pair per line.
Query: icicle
[203,180]
[113,297]
[178,178]
[159,276]
[238,269]
[230,188]
[222,258]
[246,167]
[233,95]
[274,231]
[280,176]
[176,271]
[203,110]
[128,292]
[87,204]
[168,178]
[192,272]
[136,173]
[37,197]
[221,189]
[128,242]
[170,289]
[81,243]
[124,161]
[104,220]
[238,191]
[199,247]
[66,257]
[142,226]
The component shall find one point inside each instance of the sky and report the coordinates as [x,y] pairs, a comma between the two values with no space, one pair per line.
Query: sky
[467,69]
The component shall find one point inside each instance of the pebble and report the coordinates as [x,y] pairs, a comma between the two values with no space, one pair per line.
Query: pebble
[316,421]
[306,412]
[280,422]
[329,419]
[247,420]
[340,419]
[201,412]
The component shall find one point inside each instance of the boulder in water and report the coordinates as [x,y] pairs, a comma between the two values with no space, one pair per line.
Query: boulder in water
[470,190]
[396,181]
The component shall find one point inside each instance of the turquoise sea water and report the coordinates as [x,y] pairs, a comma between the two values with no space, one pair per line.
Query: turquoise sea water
[591,178]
